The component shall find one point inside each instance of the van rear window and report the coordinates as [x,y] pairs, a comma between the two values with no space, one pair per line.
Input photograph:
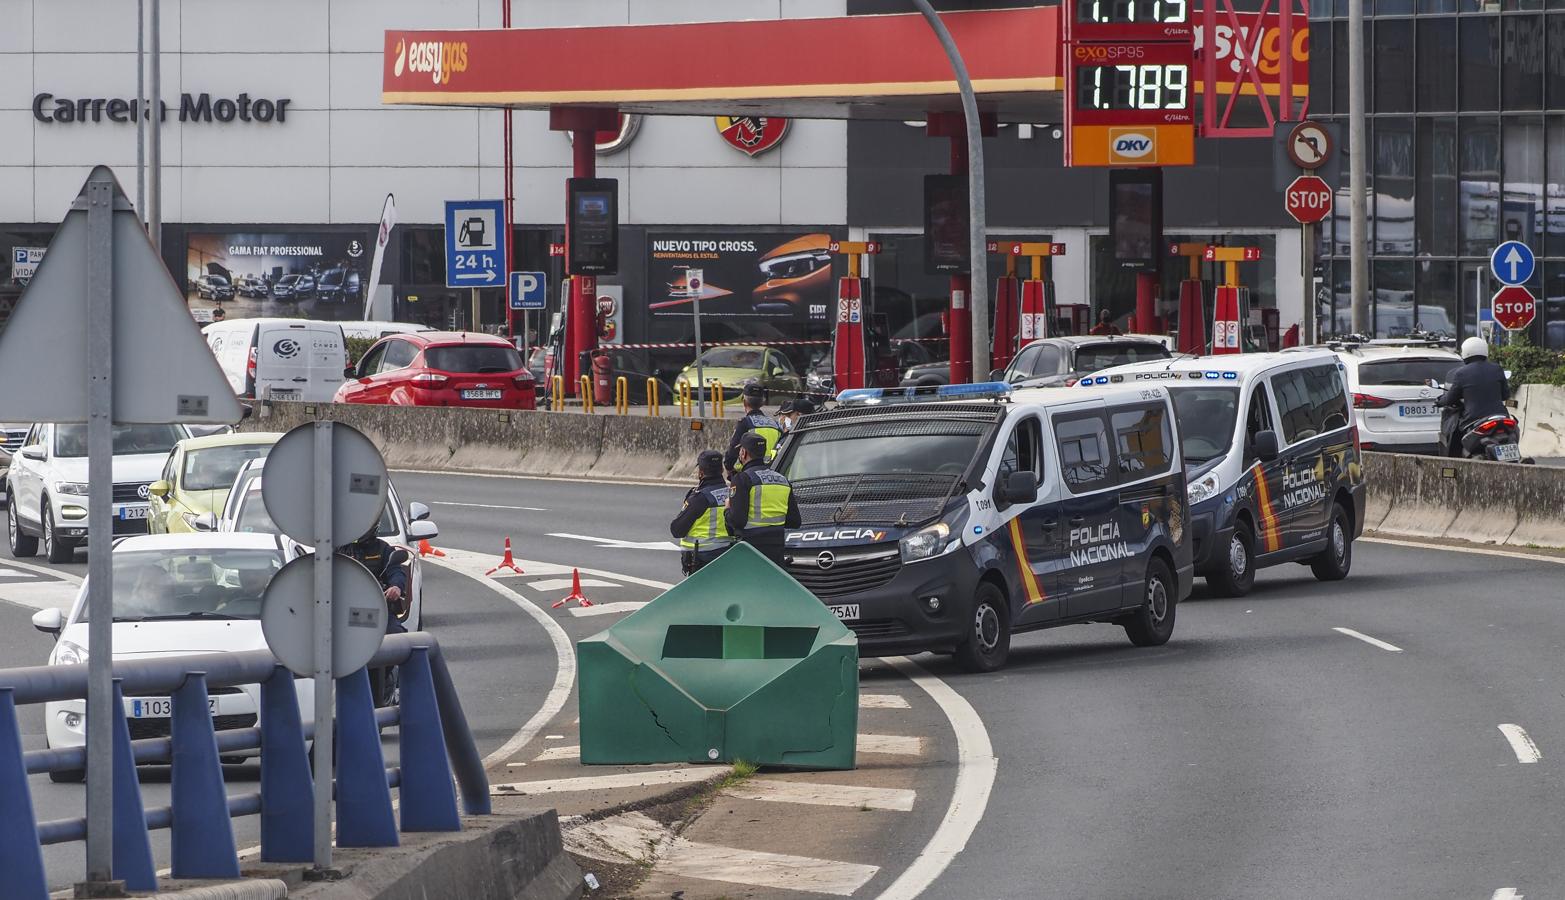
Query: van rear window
[473,360]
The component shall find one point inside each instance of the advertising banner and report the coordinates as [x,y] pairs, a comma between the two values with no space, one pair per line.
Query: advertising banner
[1263,38]
[312,275]
[777,275]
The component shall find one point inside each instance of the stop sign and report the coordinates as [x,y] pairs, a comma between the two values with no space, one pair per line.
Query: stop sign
[1308,199]
[1514,307]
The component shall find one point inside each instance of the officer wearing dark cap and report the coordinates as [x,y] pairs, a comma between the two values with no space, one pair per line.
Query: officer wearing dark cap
[754,421]
[762,507]
[701,527]
[789,413]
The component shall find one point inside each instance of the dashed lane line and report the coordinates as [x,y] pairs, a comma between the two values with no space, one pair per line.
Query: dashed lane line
[1374,642]
[1521,743]
[487,506]
[1506,894]
[854,796]
[616,543]
[882,701]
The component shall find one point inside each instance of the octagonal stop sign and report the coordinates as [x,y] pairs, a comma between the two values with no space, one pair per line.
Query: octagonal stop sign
[1514,307]
[1308,199]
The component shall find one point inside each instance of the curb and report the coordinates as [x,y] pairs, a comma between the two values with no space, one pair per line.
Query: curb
[256,889]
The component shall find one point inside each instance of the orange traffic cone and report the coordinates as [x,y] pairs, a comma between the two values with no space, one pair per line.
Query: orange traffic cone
[575,592]
[507,562]
[425,548]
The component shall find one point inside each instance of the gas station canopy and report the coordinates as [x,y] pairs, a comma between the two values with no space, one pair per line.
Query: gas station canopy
[860,67]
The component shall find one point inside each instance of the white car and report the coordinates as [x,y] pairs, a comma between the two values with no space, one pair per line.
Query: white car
[174,594]
[1392,402]
[245,513]
[11,436]
[47,485]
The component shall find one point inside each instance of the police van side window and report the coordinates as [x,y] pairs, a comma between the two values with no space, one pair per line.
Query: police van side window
[1144,440]
[1295,407]
[1257,420]
[1022,451]
[1084,452]
[1328,397]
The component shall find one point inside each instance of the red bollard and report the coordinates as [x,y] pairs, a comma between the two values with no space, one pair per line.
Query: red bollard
[507,562]
[575,593]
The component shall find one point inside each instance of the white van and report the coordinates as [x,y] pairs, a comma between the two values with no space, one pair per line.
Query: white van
[374,331]
[280,359]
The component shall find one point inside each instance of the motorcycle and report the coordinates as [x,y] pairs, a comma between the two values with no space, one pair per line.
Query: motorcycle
[1495,438]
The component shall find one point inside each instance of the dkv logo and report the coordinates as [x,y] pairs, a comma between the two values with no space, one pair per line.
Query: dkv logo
[1126,145]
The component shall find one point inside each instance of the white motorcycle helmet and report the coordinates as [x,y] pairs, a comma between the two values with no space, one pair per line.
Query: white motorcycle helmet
[1475,346]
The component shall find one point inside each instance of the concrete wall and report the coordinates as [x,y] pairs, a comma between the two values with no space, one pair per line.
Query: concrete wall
[1487,503]
[1541,410]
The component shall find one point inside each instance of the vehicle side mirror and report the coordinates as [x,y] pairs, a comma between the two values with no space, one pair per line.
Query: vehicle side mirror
[1507,374]
[996,374]
[422,530]
[159,488]
[417,511]
[350,372]
[205,522]
[1266,446]
[1019,487]
[49,621]
[33,452]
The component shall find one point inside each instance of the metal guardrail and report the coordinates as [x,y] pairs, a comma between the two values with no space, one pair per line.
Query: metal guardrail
[434,742]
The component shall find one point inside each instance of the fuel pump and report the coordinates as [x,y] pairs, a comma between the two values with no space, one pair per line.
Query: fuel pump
[1036,308]
[1231,297]
[848,350]
[1192,300]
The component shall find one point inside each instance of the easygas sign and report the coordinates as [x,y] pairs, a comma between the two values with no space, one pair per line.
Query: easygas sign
[440,60]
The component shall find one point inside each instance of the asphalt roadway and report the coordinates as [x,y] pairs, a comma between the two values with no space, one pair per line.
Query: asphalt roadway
[1261,753]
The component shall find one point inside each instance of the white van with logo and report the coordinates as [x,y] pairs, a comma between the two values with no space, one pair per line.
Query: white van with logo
[280,359]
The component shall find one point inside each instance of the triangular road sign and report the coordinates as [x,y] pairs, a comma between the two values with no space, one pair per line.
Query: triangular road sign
[162,369]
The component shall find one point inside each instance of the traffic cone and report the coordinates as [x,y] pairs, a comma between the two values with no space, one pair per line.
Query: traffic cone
[506,562]
[575,592]
[427,549]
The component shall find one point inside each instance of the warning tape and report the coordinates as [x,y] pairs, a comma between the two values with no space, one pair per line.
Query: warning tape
[815,343]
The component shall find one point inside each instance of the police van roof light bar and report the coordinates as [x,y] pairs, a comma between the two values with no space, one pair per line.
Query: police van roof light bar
[983,390]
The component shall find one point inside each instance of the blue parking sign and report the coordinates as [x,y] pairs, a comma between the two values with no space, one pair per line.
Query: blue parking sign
[475,243]
[529,290]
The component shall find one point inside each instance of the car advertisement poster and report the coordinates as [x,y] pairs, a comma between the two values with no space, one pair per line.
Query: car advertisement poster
[314,275]
[774,275]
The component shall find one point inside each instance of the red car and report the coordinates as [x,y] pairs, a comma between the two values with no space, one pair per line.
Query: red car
[441,368]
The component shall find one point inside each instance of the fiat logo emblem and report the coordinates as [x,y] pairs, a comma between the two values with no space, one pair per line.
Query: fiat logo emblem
[826,559]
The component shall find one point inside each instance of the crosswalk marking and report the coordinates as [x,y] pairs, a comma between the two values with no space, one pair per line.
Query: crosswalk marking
[766,870]
[557,584]
[629,837]
[895,799]
[14,573]
[882,701]
[608,782]
[607,609]
[896,744]
[562,752]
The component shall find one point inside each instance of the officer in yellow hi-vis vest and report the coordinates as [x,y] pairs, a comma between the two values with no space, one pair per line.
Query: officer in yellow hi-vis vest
[762,507]
[700,527]
[754,421]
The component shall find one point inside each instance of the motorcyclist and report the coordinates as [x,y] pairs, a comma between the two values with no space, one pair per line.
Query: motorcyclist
[1475,390]
[388,565]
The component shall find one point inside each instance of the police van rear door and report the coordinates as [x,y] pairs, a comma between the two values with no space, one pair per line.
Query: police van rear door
[1313,430]
[1092,573]
[1149,484]
[1033,535]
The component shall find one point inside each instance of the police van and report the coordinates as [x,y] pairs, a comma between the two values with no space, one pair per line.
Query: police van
[1272,456]
[949,520]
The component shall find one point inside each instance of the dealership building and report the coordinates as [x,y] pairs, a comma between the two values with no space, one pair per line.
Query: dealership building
[278,154]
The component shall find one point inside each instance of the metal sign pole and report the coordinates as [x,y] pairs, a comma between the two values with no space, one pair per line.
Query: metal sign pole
[473,323]
[100,525]
[695,305]
[1307,269]
[323,650]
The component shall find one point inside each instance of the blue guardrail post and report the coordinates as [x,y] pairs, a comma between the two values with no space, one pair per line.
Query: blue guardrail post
[21,858]
[132,847]
[428,796]
[364,816]
[202,836]
[287,792]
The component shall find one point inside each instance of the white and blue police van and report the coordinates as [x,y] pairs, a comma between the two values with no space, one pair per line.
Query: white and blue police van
[947,520]
[1272,455]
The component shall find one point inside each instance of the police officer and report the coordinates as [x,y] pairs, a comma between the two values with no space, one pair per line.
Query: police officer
[386,564]
[762,507]
[753,421]
[789,413]
[700,527]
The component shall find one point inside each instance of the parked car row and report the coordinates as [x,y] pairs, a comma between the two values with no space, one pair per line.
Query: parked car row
[335,285]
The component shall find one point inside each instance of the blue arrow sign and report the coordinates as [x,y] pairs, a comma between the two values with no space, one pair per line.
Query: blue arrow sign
[529,290]
[1513,263]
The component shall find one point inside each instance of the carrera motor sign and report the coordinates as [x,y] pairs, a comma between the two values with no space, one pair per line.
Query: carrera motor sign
[192,108]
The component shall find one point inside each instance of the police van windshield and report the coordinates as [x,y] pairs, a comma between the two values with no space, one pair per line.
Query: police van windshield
[910,447]
[1206,421]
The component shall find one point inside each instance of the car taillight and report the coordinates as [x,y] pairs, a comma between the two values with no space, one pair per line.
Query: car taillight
[250,364]
[429,379]
[1369,401]
[523,380]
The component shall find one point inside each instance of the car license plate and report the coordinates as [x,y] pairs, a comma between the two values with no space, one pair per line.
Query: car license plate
[160,707]
[848,613]
[133,512]
[1507,452]
[1418,411]
[481,395]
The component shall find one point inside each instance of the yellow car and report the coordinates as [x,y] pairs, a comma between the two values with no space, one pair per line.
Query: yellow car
[197,477]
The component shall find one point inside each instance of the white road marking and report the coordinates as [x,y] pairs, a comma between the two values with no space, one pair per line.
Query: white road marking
[14,573]
[487,506]
[58,595]
[895,744]
[628,837]
[45,570]
[617,544]
[561,752]
[1521,743]
[1377,642]
[1481,551]
[882,701]
[765,870]
[607,782]
[975,773]
[606,609]
[813,794]
[556,584]
[637,482]
[1506,894]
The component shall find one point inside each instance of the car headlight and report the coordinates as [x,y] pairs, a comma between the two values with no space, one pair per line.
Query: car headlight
[70,654]
[70,487]
[926,543]
[1203,487]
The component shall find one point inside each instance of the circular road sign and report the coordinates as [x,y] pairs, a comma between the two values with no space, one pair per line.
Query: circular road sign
[358,613]
[1513,262]
[1309,145]
[1308,200]
[1514,307]
[358,484]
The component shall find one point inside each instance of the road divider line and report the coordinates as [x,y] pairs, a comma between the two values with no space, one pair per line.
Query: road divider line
[1506,894]
[1522,744]
[882,701]
[893,744]
[976,767]
[45,570]
[632,482]
[651,778]
[1374,642]
[487,506]
[812,794]
[616,543]
[758,868]
[556,584]
[607,609]
[1481,551]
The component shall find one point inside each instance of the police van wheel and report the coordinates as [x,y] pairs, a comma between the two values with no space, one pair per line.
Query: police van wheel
[989,642]
[1153,624]
[1337,560]
[1236,575]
